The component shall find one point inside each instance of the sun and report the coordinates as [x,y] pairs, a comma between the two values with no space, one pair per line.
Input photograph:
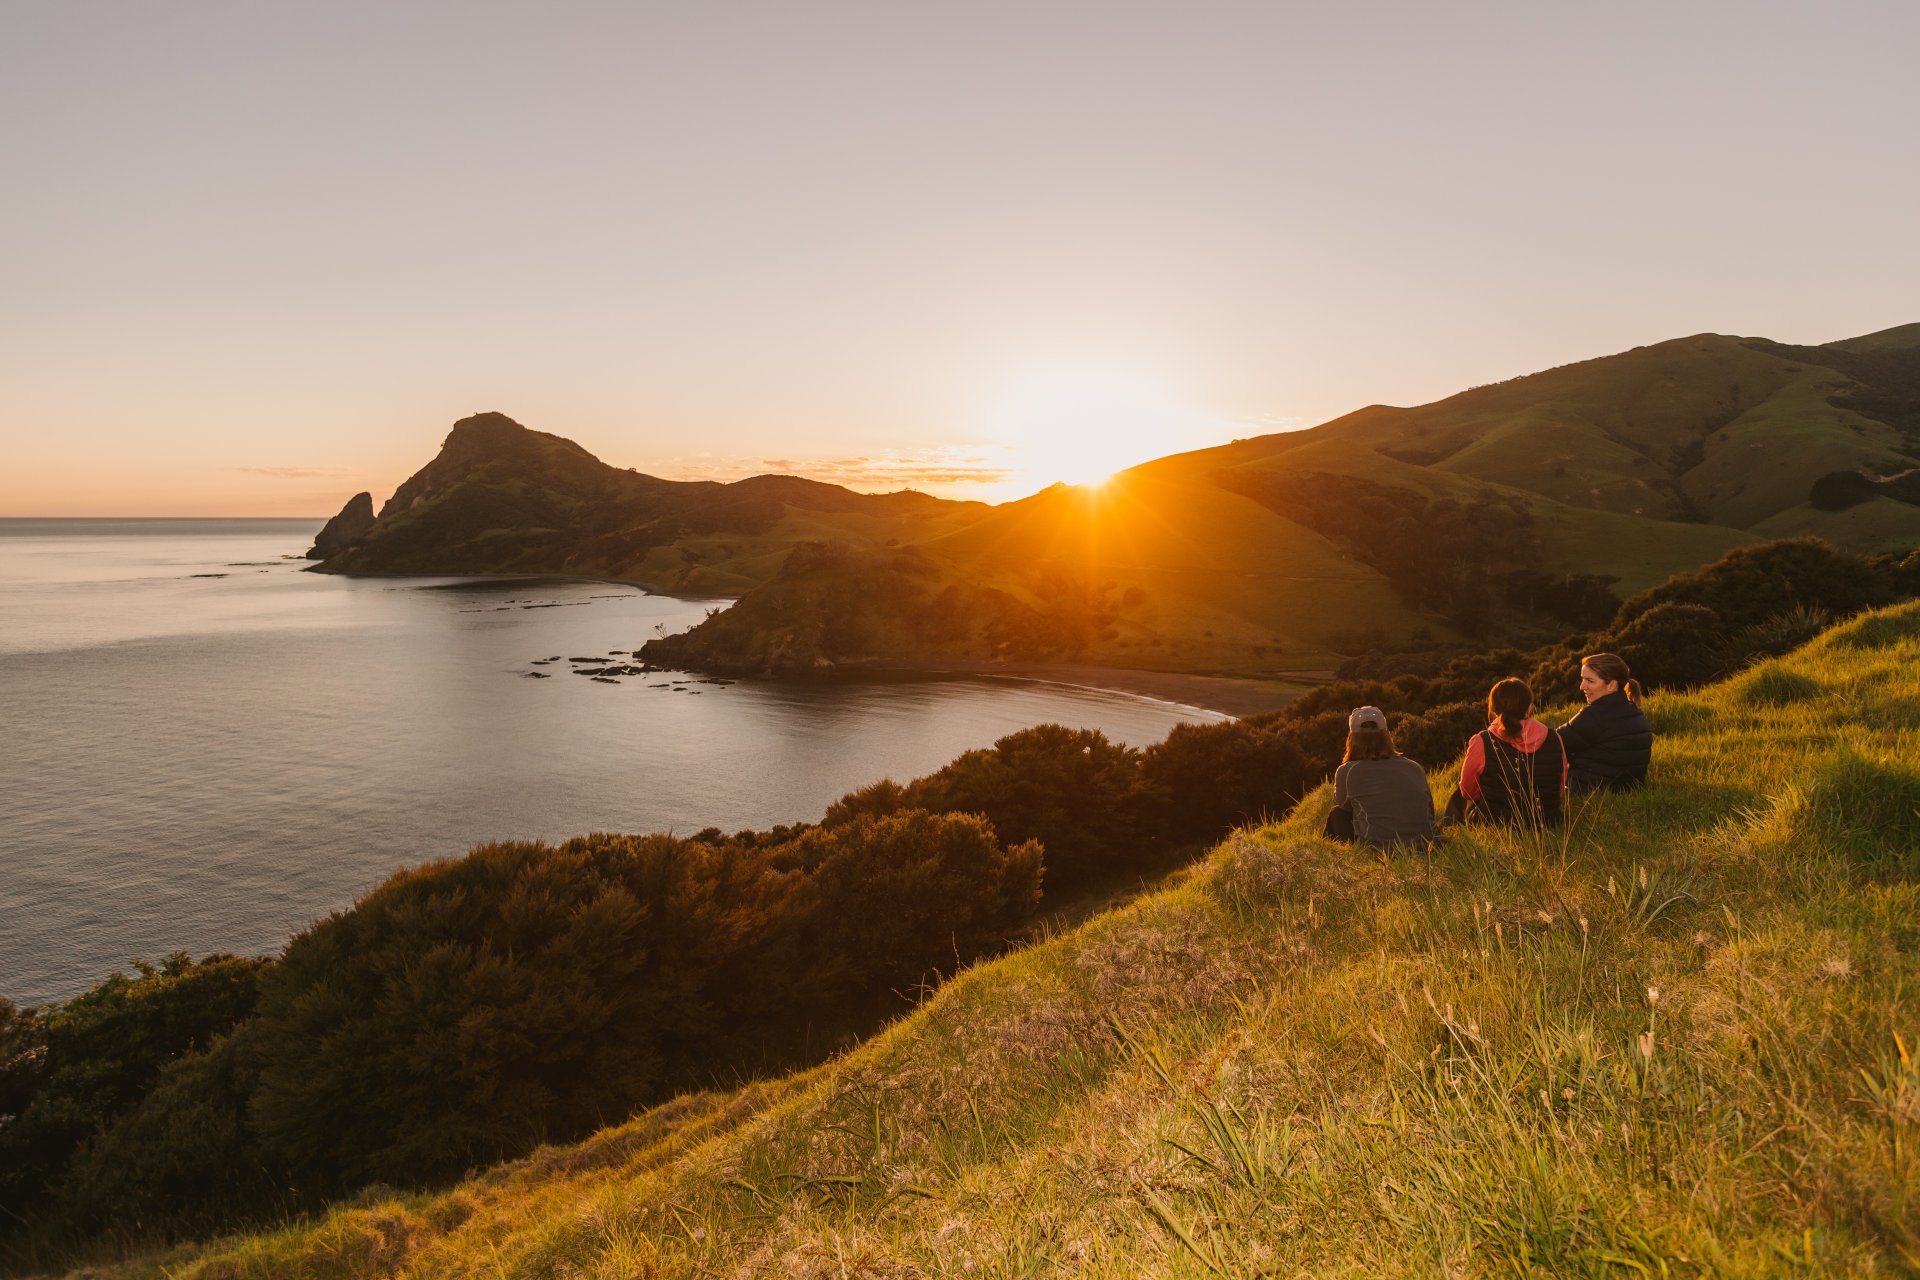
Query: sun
[1081,423]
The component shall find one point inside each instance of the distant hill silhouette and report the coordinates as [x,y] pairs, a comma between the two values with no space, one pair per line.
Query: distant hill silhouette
[1526,508]
[501,498]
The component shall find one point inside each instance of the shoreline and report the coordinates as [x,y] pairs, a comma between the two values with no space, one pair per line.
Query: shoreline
[1234,697]
[507,579]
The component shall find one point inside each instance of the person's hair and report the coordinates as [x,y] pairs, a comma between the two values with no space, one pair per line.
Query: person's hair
[1369,743]
[1508,702]
[1613,668]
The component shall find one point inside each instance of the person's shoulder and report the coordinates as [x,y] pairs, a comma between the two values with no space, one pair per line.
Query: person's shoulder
[1621,707]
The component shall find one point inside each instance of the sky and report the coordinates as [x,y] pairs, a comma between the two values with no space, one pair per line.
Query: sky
[255,257]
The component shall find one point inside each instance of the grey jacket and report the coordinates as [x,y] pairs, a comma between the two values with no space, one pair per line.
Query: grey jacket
[1389,799]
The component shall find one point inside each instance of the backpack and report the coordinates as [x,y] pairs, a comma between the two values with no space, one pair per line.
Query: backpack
[1522,787]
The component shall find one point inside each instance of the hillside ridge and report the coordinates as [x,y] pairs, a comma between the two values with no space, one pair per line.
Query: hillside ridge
[1524,507]
[1674,1038]
[1527,508]
[502,498]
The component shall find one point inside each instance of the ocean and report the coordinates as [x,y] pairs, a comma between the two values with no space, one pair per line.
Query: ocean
[205,748]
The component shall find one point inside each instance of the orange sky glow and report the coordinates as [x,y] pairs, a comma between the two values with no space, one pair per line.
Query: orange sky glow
[256,258]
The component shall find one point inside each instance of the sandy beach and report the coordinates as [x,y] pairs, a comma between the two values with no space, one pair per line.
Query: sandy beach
[1228,695]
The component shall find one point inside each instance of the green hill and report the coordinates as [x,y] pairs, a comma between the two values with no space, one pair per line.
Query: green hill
[1676,1038]
[1711,429]
[1139,572]
[1522,509]
[1902,338]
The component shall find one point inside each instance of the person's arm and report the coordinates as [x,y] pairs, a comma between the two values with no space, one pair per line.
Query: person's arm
[1565,764]
[1470,768]
[1576,737]
[1340,786]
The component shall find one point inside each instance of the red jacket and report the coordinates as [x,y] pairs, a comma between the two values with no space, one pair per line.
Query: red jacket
[1532,734]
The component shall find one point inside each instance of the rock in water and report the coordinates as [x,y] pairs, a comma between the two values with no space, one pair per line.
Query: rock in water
[354,519]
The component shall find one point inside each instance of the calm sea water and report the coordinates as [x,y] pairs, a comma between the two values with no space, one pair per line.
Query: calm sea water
[204,747]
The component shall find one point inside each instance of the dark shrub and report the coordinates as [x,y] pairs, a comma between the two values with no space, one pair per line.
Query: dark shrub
[1438,736]
[1672,645]
[71,1068]
[1838,490]
[469,1009]
[887,899]
[1201,781]
[1066,788]
[183,1161]
[876,800]
[1748,585]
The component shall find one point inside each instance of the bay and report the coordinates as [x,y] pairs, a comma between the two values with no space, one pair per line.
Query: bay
[205,747]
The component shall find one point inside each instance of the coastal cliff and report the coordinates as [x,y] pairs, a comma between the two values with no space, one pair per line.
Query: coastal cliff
[344,529]
[500,498]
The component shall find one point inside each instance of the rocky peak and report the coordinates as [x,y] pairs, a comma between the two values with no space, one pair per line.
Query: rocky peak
[354,520]
[493,442]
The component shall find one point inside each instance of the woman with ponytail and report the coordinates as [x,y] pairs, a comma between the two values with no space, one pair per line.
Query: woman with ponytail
[1516,770]
[1610,741]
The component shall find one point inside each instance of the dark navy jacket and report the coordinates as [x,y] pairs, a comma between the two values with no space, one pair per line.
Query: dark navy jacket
[1608,745]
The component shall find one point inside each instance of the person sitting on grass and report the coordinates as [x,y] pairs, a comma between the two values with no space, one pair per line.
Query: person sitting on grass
[1516,770]
[1609,742]
[1379,796]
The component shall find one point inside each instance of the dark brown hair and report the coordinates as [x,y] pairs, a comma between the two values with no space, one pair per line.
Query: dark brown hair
[1508,702]
[1369,743]
[1613,668]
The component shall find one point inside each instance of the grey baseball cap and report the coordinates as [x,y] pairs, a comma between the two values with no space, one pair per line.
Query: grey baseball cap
[1367,718]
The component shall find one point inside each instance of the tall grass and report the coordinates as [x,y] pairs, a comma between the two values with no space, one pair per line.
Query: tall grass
[1676,1037]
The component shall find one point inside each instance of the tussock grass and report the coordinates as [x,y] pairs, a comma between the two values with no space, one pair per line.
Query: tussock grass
[1676,1037]
[1772,685]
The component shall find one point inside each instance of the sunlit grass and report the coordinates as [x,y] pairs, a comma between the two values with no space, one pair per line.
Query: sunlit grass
[1676,1037]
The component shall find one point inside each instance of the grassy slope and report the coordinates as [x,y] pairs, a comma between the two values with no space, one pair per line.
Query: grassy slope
[1667,1042]
[1703,427]
[735,563]
[1904,337]
[1574,539]
[1225,580]
[1878,524]
[1614,433]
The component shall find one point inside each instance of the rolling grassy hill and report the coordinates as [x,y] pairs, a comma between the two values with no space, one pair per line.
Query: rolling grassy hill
[1510,509]
[1712,429]
[1283,551]
[1676,1038]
